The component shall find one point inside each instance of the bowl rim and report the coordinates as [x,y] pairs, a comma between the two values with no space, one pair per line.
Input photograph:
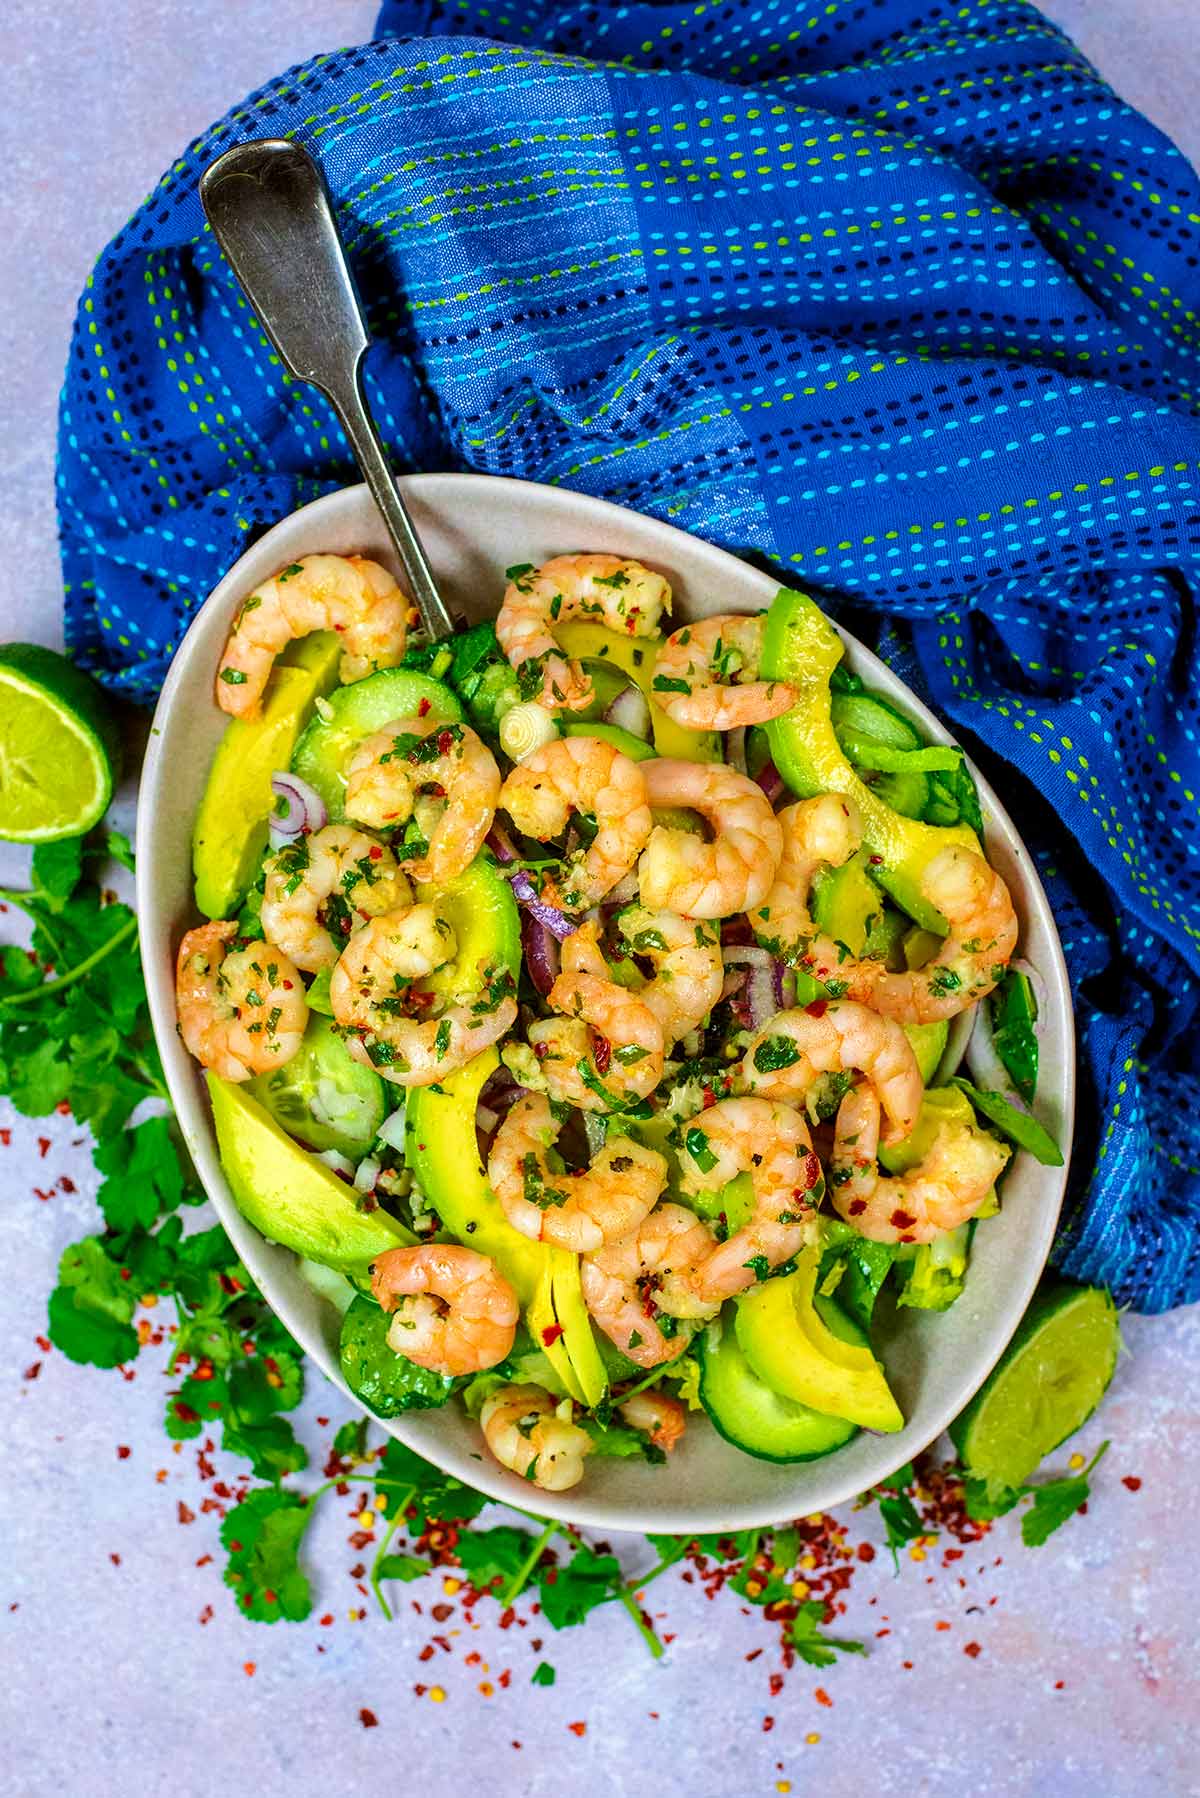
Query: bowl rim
[574,1507]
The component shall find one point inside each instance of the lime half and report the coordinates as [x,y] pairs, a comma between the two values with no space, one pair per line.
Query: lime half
[59,746]
[1048,1382]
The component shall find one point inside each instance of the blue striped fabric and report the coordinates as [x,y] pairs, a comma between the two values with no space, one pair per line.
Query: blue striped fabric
[893,295]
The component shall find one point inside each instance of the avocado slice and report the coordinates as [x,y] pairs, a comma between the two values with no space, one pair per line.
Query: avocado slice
[442,1151]
[480,907]
[587,642]
[230,833]
[795,1353]
[288,1194]
[802,648]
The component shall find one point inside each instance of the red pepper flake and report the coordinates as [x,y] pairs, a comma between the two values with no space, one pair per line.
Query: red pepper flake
[551,1333]
[941,1625]
[903,1220]
[601,1052]
[865,1552]
[577,1729]
[43,1143]
[66,1184]
[249,1668]
[776,1684]
[6,1135]
[876,861]
[204,1561]
[206,1614]
[424,709]
[973,1649]
[1132,1481]
[768,1724]
[115,1559]
[32,1371]
[43,1343]
[1059,1684]
[367,1718]
[818,1008]
[123,1453]
[185,1516]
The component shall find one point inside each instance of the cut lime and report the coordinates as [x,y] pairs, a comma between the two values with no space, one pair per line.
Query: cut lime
[59,746]
[1047,1383]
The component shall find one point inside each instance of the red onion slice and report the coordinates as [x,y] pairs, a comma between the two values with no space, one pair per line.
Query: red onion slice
[540,947]
[771,781]
[630,711]
[556,921]
[306,809]
[501,844]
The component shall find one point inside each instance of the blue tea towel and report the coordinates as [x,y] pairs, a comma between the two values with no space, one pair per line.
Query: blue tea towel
[893,295]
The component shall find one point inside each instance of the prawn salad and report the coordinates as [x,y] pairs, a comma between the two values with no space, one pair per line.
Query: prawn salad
[584,1002]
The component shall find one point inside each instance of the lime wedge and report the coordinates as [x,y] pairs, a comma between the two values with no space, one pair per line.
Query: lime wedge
[1047,1383]
[59,746]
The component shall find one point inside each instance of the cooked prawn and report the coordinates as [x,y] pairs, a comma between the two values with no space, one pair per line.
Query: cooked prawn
[942,1192]
[611,590]
[822,832]
[241,1011]
[832,1035]
[322,888]
[605,1047]
[657,1415]
[718,660]
[526,1432]
[453,1311]
[579,1211]
[771,1143]
[348,594]
[978,907]
[392,1025]
[443,771]
[688,972]
[581,774]
[629,1284]
[716,879]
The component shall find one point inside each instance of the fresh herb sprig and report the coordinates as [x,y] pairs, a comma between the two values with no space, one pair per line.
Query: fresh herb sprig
[75,1031]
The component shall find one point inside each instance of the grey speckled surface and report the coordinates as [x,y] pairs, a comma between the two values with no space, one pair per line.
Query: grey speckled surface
[111,1681]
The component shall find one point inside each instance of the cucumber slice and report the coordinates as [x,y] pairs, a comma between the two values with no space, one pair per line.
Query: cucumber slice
[866,715]
[322,1097]
[752,1417]
[863,719]
[352,713]
[634,747]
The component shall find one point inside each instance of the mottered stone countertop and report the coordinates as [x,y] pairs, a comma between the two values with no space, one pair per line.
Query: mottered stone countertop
[126,1666]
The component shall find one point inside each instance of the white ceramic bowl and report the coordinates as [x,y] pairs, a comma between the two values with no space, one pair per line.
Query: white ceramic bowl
[474,527]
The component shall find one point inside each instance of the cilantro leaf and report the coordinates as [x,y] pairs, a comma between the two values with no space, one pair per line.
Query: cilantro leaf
[143,1175]
[489,1555]
[402,1567]
[350,1441]
[57,868]
[901,1522]
[807,1637]
[437,1496]
[263,1535]
[91,1307]
[1057,1501]
[543,1674]
[568,1594]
